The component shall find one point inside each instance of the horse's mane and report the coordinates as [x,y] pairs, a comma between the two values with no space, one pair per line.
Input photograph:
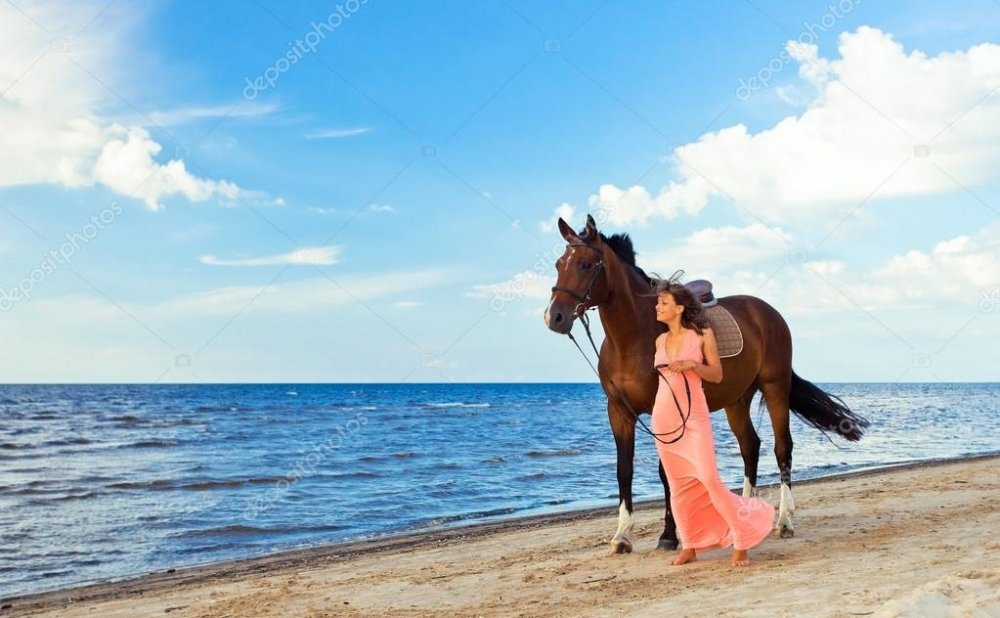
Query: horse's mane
[621,244]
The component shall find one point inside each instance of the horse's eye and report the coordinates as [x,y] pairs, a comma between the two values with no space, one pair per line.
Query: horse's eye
[585,265]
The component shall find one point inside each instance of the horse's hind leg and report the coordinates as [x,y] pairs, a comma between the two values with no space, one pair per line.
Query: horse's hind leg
[668,540]
[738,415]
[776,397]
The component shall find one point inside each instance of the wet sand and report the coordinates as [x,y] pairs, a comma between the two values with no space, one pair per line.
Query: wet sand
[916,540]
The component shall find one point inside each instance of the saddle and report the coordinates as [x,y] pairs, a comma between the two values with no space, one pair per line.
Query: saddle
[728,335]
[702,290]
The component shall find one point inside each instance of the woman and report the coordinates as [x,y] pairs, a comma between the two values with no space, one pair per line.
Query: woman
[708,515]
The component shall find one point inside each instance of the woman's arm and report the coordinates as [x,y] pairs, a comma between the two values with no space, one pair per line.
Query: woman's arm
[711,370]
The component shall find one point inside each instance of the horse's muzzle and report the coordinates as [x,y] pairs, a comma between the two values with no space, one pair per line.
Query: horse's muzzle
[559,319]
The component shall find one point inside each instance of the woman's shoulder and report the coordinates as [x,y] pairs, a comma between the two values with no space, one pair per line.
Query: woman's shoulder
[706,332]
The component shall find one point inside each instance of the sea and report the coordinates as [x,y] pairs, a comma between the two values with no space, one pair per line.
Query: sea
[105,482]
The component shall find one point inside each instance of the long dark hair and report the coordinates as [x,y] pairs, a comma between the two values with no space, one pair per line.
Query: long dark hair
[693,316]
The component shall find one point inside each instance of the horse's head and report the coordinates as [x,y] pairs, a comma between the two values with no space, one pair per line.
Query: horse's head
[581,281]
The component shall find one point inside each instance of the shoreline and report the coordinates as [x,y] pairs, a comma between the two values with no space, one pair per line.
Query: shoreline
[330,555]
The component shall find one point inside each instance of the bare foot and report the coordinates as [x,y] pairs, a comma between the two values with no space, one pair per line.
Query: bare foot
[740,558]
[686,555]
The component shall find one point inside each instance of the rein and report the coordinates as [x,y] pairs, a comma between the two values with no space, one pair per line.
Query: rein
[585,320]
[621,397]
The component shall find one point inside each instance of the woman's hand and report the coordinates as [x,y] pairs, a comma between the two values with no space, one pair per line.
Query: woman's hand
[681,365]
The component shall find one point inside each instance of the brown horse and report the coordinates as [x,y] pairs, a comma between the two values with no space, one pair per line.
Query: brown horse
[596,270]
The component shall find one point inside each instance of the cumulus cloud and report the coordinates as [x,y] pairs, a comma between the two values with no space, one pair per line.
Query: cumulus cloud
[960,271]
[883,121]
[126,165]
[712,250]
[307,256]
[565,211]
[58,77]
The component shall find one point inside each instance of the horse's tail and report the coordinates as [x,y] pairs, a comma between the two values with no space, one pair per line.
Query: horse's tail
[824,411]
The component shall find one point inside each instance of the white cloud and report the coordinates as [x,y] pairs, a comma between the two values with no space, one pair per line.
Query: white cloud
[873,107]
[336,133]
[408,304]
[184,115]
[565,211]
[381,208]
[637,205]
[300,296]
[712,250]
[58,106]
[961,271]
[126,165]
[307,256]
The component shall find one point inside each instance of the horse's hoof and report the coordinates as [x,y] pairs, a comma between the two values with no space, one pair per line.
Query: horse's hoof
[667,545]
[786,532]
[620,547]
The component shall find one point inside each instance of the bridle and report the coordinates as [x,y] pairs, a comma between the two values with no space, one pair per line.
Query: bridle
[580,311]
[584,300]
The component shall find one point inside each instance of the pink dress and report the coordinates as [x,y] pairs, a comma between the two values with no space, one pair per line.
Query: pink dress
[708,515]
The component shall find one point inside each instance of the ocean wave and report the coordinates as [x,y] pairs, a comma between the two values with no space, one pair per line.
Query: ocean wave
[358,474]
[566,452]
[348,406]
[66,442]
[226,483]
[456,404]
[43,488]
[130,420]
[126,419]
[221,408]
[64,498]
[151,444]
[156,484]
[448,519]
[242,530]
[46,415]
[532,477]
[201,485]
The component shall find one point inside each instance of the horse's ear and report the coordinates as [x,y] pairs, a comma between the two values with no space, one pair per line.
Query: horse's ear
[566,231]
[591,229]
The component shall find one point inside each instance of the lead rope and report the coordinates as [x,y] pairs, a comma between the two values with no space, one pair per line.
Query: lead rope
[585,320]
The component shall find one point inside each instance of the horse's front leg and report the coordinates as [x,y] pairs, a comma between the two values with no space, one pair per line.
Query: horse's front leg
[668,540]
[624,432]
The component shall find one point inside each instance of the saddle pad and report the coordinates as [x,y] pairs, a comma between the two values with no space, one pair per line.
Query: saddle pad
[727,332]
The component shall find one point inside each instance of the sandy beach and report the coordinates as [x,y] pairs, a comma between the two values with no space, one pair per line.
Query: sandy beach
[916,540]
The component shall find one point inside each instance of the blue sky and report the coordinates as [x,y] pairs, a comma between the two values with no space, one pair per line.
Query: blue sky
[382,210]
